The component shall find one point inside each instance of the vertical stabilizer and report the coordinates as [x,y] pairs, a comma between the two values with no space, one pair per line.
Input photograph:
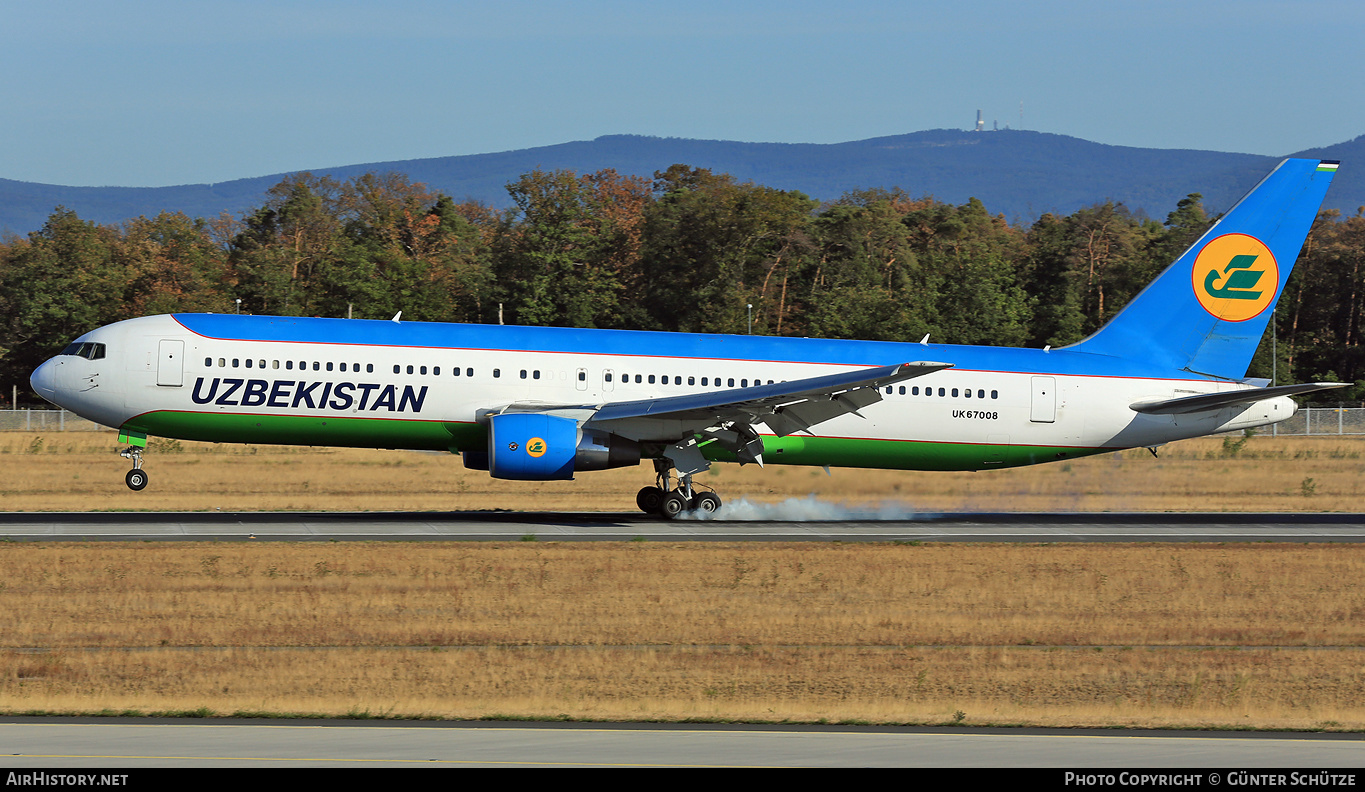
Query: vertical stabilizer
[1206,313]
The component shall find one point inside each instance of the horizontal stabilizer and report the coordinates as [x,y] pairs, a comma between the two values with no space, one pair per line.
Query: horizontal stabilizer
[1217,401]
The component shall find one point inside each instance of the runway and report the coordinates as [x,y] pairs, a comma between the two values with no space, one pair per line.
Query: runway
[150,742]
[851,526]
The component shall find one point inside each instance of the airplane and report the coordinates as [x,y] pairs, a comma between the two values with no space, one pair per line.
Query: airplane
[543,403]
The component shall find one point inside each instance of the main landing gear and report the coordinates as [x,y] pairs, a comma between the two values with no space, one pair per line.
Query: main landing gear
[670,503]
[137,477]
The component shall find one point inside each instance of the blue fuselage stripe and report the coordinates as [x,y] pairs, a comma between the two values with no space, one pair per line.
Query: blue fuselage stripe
[563,340]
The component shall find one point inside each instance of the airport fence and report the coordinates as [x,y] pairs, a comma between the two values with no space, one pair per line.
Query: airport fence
[45,421]
[1320,421]
[1307,421]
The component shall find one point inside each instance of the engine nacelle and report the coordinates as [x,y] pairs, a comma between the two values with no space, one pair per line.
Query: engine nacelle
[538,447]
[531,446]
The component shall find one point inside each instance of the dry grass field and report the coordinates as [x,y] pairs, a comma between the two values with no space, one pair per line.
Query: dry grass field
[1254,636]
[80,471]
[1197,635]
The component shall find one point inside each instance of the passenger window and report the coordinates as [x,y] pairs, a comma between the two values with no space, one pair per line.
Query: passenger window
[583,376]
[651,379]
[343,366]
[248,362]
[423,369]
[902,390]
[436,371]
[523,373]
[535,374]
[638,379]
[236,362]
[995,394]
[316,365]
[605,377]
[942,392]
[914,391]
[397,369]
[221,362]
[329,365]
[409,369]
[497,373]
[289,365]
[369,367]
[981,394]
[455,371]
[469,372]
[703,382]
[732,383]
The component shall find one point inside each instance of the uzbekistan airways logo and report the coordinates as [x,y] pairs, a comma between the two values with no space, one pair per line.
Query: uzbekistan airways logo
[1235,277]
[536,447]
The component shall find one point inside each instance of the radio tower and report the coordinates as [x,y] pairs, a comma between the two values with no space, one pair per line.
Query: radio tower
[979,123]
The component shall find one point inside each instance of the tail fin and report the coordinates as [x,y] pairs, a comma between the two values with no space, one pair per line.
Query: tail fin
[1206,313]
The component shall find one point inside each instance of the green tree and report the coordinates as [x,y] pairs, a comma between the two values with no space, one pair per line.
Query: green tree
[568,252]
[867,281]
[974,257]
[64,280]
[713,247]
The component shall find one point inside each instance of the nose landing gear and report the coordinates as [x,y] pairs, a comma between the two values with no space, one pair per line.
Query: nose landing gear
[137,477]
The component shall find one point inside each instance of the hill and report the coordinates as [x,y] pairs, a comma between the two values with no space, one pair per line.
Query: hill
[1019,174]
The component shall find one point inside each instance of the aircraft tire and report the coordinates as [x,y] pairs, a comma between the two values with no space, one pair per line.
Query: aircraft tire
[649,499]
[137,480]
[673,505]
[706,503]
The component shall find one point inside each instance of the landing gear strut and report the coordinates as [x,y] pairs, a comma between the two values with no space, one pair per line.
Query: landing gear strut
[672,502]
[137,477]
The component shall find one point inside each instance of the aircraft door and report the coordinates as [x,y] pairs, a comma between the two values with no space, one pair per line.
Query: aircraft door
[580,378]
[608,377]
[1044,405]
[170,363]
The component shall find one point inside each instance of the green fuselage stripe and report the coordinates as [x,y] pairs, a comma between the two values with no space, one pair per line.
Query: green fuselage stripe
[456,436]
[311,430]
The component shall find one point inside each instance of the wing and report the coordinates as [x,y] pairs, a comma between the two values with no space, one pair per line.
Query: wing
[729,417]
[786,407]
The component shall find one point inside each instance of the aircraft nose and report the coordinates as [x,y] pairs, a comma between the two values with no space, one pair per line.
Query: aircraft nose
[44,380]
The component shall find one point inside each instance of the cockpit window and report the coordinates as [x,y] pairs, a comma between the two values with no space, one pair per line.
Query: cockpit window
[88,350]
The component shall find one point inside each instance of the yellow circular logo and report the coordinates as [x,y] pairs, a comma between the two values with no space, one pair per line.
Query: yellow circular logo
[1235,277]
[536,447]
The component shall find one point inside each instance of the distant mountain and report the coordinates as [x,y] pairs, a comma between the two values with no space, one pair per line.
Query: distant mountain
[1016,173]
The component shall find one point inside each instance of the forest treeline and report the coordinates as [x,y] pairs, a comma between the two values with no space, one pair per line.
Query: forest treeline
[690,250]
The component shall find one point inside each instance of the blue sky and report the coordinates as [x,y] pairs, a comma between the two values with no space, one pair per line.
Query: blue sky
[158,93]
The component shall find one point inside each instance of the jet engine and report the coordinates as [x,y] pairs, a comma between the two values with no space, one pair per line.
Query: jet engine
[539,447]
